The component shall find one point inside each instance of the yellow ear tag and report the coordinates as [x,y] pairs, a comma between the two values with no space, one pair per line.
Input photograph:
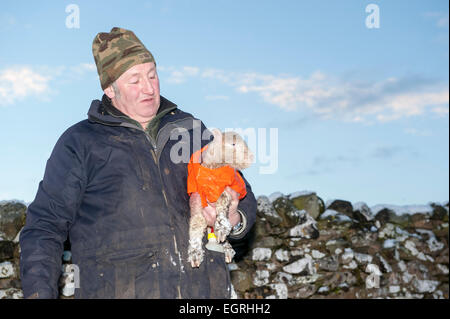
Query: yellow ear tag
[212,244]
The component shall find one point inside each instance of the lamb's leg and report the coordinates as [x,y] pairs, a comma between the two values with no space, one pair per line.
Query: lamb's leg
[197,227]
[222,226]
[229,252]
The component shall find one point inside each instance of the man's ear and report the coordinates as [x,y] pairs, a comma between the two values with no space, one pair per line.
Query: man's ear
[109,91]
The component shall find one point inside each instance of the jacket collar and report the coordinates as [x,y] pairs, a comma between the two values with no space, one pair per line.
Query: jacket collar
[104,112]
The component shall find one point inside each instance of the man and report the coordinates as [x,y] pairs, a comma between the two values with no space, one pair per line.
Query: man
[111,187]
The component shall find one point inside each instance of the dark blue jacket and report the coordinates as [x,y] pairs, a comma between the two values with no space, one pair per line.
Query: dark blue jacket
[116,193]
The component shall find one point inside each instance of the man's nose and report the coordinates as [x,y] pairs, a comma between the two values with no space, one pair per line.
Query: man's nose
[147,87]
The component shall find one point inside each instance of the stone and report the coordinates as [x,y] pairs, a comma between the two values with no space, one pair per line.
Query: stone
[261,254]
[283,206]
[310,203]
[242,280]
[6,270]
[282,255]
[268,241]
[304,292]
[362,212]
[387,215]
[7,250]
[351,265]
[439,212]
[261,278]
[342,206]
[363,258]
[384,216]
[335,216]
[385,266]
[421,221]
[300,266]
[423,286]
[285,278]
[347,256]
[387,231]
[332,246]
[411,246]
[306,228]
[317,254]
[442,268]
[265,209]
[330,263]
[281,290]
[12,219]
[11,293]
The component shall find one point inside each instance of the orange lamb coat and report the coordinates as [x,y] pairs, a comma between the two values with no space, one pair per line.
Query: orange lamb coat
[210,183]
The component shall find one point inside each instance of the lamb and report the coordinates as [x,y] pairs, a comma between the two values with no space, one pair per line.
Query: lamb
[208,177]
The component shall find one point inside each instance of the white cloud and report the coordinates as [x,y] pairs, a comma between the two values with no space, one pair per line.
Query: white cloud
[354,101]
[442,111]
[331,97]
[440,18]
[81,68]
[217,74]
[19,82]
[178,76]
[408,104]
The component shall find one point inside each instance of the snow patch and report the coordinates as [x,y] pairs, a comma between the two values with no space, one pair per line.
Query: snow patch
[403,210]
[275,196]
[301,193]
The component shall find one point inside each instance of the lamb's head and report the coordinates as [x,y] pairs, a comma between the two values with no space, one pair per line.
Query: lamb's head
[227,148]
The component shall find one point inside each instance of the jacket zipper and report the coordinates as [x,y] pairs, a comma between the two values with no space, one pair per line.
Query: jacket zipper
[153,151]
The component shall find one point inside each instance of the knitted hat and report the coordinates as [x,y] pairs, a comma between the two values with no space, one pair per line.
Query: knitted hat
[117,51]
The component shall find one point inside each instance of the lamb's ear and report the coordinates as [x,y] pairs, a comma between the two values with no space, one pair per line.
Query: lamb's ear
[213,153]
[217,135]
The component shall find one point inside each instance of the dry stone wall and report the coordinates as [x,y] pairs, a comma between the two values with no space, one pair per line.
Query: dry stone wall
[301,247]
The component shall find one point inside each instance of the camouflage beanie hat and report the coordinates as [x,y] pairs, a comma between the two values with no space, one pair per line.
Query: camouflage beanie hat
[117,51]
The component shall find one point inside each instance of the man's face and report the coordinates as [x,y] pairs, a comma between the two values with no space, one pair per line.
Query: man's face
[139,92]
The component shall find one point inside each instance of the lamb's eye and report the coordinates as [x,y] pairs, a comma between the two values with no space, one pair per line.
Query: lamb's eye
[233,144]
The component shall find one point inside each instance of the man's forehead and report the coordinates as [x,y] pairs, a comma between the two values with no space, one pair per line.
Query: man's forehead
[140,68]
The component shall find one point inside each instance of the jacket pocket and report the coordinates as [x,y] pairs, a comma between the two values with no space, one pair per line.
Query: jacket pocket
[220,281]
[113,275]
[128,266]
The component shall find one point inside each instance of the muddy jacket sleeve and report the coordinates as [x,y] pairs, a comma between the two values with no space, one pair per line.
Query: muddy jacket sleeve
[49,218]
[247,208]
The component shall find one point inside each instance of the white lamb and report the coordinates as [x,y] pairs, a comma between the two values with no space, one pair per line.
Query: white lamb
[228,153]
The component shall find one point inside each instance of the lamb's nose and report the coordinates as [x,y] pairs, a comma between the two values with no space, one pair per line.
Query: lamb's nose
[249,156]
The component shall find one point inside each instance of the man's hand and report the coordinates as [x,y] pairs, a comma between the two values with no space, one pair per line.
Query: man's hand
[209,212]
[233,216]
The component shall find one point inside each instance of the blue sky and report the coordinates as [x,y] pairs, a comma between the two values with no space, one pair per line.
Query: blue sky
[362,114]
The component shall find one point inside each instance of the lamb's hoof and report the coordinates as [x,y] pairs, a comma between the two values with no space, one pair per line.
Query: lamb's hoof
[221,235]
[195,257]
[229,257]
[229,252]
[222,230]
